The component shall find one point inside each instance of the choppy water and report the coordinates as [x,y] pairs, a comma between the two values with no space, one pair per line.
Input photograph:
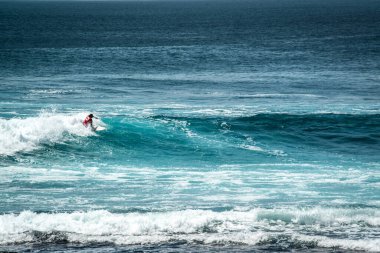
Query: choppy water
[230,126]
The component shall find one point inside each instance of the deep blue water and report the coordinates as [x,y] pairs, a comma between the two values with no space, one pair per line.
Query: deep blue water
[243,126]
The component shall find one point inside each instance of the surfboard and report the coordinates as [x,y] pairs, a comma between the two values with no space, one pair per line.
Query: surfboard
[100,128]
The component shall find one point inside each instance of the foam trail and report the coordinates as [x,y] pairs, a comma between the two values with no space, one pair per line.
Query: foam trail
[27,134]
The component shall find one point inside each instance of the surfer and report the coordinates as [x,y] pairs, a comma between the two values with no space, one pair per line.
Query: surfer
[88,121]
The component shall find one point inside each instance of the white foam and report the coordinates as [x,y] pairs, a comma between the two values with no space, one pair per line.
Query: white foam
[237,226]
[39,174]
[372,245]
[26,134]
[279,95]
[252,148]
[49,91]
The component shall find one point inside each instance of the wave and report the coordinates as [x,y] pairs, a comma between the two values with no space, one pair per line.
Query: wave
[337,131]
[310,228]
[242,111]
[264,134]
[204,76]
[27,134]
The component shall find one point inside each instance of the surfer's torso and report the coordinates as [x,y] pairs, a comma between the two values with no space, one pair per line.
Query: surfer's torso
[87,120]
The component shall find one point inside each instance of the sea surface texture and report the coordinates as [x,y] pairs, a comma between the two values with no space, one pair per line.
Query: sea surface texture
[231,126]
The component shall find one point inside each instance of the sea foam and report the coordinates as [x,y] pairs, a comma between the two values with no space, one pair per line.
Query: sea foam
[26,134]
[250,227]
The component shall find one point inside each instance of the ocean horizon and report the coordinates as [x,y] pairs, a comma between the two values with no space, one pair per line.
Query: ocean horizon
[221,126]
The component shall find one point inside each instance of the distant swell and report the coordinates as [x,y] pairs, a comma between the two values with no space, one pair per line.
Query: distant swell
[252,227]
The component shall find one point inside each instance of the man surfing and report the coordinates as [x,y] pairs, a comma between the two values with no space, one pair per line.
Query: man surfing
[88,121]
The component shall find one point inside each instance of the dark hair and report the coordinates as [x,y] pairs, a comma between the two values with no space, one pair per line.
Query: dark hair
[91,115]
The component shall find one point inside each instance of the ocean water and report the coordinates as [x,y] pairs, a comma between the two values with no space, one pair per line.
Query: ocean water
[231,126]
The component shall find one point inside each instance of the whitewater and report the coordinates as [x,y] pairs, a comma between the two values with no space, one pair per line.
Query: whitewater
[194,226]
[19,134]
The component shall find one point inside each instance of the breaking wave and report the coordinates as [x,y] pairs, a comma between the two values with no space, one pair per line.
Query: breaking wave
[26,134]
[340,133]
[308,228]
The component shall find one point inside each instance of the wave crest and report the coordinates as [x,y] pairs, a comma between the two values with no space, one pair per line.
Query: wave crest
[29,133]
[252,227]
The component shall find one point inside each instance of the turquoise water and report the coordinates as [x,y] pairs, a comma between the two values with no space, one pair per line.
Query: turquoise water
[249,126]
